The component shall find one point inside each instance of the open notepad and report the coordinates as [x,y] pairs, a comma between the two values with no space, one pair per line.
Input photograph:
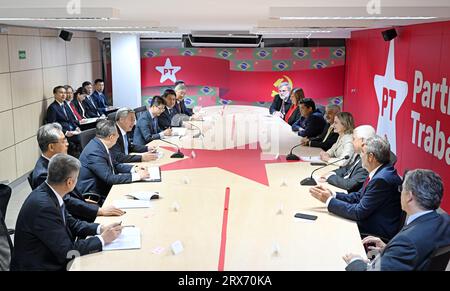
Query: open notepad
[130,238]
[155,174]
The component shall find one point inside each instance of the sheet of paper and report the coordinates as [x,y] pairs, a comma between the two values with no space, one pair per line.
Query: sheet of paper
[179,131]
[130,203]
[155,174]
[130,238]
[312,159]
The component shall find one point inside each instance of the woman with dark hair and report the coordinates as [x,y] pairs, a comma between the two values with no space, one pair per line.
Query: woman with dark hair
[77,101]
[293,113]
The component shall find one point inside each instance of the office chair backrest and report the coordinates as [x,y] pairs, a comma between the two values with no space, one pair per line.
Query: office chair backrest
[30,179]
[439,259]
[112,116]
[5,195]
[6,246]
[393,159]
[139,110]
[86,136]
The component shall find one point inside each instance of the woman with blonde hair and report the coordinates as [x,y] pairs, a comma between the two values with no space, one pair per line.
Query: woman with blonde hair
[343,125]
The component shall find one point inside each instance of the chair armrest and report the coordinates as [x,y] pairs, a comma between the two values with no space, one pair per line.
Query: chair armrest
[92,196]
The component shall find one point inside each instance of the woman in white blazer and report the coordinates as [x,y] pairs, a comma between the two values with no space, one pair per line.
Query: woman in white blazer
[343,125]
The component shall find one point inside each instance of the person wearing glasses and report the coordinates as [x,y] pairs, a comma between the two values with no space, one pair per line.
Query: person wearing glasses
[147,128]
[424,231]
[281,102]
[376,207]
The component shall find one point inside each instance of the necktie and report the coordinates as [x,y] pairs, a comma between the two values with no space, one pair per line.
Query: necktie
[179,107]
[111,163]
[366,182]
[92,102]
[64,110]
[125,143]
[63,214]
[155,125]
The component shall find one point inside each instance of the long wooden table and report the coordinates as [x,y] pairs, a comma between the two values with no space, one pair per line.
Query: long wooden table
[228,221]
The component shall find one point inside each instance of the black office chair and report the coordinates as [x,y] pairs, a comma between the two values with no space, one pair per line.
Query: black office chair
[392,159]
[5,195]
[86,136]
[139,110]
[112,116]
[6,245]
[30,179]
[439,259]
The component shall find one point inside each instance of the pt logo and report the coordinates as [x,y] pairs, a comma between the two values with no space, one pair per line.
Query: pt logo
[391,93]
[168,71]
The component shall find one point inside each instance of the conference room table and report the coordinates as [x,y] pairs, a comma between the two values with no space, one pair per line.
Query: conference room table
[230,202]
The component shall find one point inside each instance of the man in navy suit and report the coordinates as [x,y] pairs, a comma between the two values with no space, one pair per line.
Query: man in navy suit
[121,151]
[180,106]
[51,141]
[46,234]
[99,171]
[147,128]
[312,123]
[99,96]
[60,112]
[424,232]
[92,110]
[165,119]
[376,207]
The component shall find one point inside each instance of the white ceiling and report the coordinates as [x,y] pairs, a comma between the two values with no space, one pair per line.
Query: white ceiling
[185,16]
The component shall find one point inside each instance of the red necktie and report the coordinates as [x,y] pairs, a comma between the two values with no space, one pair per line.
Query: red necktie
[366,182]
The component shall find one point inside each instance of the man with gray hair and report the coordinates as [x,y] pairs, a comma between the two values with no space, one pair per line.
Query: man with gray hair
[121,151]
[328,137]
[51,141]
[45,233]
[352,176]
[99,171]
[281,102]
[376,207]
[424,232]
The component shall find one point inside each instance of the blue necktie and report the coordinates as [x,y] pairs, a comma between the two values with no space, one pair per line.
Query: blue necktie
[155,125]
[125,143]
[64,110]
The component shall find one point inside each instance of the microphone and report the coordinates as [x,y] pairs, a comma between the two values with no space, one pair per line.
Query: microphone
[310,180]
[178,154]
[291,156]
[200,131]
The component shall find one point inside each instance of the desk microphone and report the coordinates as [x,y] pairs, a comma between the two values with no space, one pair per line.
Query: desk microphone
[178,154]
[200,131]
[310,180]
[291,156]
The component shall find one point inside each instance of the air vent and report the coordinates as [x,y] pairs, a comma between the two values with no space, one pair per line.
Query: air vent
[223,40]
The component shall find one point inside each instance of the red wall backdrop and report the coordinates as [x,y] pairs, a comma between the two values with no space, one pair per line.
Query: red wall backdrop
[419,50]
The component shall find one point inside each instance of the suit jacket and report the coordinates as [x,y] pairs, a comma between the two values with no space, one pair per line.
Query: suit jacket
[165,119]
[101,101]
[118,150]
[277,102]
[350,177]
[294,117]
[80,108]
[182,109]
[411,248]
[311,126]
[96,173]
[342,147]
[42,241]
[321,142]
[376,207]
[56,114]
[145,130]
[91,110]
[75,202]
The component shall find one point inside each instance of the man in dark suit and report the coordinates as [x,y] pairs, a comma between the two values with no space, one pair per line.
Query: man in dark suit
[311,124]
[281,102]
[180,106]
[165,119]
[424,232]
[351,177]
[45,233]
[60,112]
[51,141]
[328,137]
[91,108]
[121,151]
[99,96]
[99,171]
[147,128]
[376,207]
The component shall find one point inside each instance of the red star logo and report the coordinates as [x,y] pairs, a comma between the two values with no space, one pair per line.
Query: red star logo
[243,162]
